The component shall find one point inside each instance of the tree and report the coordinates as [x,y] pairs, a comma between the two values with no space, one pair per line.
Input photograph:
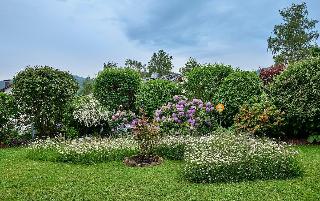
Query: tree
[191,63]
[161,63]
[42,93]
[110,64]
[293,39]
[136,65]
[87,87]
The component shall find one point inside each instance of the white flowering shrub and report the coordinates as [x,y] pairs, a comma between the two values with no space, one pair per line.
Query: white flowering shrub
[89,112]
[226,157]
[83,150]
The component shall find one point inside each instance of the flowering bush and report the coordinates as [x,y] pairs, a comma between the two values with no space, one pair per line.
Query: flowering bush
[42,93]
[94,150]
[120,122]
[83,150]
[154,93]
[297,92]
[185,115]
[146,134]
[89,112]
[260,117]
[268,74]
[226,157]
[203,82]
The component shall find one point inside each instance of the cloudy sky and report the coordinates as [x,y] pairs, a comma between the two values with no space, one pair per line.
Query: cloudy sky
[80,35]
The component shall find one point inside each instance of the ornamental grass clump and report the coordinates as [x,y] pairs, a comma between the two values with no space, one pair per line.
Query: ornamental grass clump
[226,157]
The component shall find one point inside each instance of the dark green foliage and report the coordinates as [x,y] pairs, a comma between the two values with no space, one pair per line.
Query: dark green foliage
[293,38]
[161,63]
[203,82]
[155,93]
[110,64]
[297,92]
[7,109]
[190,64]
[42,93]
[114,87]
[236,89]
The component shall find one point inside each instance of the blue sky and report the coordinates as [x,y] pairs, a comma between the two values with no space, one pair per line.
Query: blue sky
[80,35]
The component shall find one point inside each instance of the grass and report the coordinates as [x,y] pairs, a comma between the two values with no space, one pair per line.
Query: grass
[25,179]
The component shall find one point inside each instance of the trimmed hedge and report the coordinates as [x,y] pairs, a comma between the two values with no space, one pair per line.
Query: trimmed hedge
[117,86]
[155,93]
[236,89]
[203,82]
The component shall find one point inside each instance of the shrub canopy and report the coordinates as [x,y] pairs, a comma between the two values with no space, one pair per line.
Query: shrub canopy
[155,93]
[297,92]
[203,82]
[42,93]
[117,86]
[236,89]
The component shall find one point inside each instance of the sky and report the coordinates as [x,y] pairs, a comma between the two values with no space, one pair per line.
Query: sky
[80,35]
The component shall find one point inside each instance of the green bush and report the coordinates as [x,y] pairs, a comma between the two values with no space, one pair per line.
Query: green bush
[155,93]
[297,92]
[116,86]
[226,157]
[260,117]
[42,93]
[7,109]
[203,82]
[236,89]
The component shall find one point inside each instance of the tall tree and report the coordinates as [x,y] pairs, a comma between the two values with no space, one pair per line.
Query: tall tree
[136,65]
[190,64]
[161,63]
[293,38]
[110,64]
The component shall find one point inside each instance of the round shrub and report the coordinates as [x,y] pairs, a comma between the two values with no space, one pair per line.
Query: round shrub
[236,89]
[117,86]
[42,93]
[297,92]
[260,117]
[226,157]
[203,82]
[154,93]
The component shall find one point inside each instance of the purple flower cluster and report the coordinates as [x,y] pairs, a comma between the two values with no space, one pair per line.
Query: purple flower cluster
[183,111]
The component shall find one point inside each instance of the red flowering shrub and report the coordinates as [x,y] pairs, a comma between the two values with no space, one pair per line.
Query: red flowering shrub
[268,74]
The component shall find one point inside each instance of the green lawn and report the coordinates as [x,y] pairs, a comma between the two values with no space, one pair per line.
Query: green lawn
[24,179]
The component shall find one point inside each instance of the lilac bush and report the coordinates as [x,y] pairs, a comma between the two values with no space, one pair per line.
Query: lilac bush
[186,116]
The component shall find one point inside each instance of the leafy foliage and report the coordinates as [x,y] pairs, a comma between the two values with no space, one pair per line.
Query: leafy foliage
[120,122]
[225,157]
[154,93]
[87,87]
[146,133]
[297,92]
[234,91]
[42,93]
[260,117]
[293,38]
[114,87]
[161,63]
[203,82]
[110,64]
[268,74]
[190,64]
[136,65]
[7,109]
